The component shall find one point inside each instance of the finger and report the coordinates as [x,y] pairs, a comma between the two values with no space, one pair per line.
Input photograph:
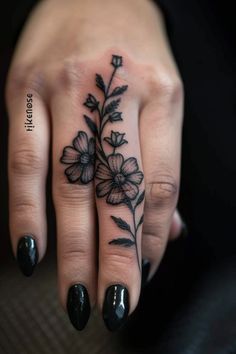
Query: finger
[27,168]
[119,185]
[73,194]
[160,129]
[177,228]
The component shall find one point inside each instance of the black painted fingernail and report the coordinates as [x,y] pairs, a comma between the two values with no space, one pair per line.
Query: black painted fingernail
[27,255]
[145,271]
[184,231]
[115,307]
[78,306]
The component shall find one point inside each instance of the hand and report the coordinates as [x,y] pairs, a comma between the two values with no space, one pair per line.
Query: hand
[95,76]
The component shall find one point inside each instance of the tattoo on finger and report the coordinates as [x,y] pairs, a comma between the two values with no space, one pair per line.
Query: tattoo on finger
[118,179]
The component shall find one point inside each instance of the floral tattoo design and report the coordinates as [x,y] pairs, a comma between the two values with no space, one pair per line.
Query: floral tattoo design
[81,158]
[118,178]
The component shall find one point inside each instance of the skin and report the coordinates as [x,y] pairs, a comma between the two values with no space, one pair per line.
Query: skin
[57,63]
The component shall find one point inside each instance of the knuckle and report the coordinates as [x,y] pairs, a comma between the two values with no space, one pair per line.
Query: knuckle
[25,161]
[154,241]
[74,251]
[162,193]
[121,79]
[73,194]
[153,246]
[24,205]
[73,73]
[171,88]
[118,258]
[69,75]
[24,77]
[164,84]
[25,213]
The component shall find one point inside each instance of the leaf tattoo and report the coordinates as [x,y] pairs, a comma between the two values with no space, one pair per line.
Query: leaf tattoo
[112,106]
[140,221]
[118,178]
[114,117]
[118,91]
[100,83]
[122,241]
[140,199]
[121,223]
[91,124]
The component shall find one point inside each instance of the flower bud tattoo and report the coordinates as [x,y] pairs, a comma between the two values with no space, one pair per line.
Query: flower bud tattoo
[118,178]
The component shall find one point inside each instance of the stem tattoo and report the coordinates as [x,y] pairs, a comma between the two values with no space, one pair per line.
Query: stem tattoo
[118,178]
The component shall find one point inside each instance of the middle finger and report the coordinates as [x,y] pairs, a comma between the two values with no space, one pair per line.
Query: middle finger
[119,197]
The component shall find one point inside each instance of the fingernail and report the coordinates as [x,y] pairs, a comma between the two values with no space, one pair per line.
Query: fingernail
[78,306]
[116,307]
[184,231]
[27,255]
[145,271]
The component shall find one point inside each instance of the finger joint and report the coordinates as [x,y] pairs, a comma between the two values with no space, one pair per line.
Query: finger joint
[162,193]
[26,161]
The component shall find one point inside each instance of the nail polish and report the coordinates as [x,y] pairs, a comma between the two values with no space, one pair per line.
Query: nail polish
[115,307]
[27,255]
[78,306]
[145,272]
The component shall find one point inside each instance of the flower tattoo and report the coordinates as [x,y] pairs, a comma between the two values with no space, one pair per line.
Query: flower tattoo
[119,178]
[116,139]
[81,158]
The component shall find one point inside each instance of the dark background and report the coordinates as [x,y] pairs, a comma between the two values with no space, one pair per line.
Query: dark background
[190,306]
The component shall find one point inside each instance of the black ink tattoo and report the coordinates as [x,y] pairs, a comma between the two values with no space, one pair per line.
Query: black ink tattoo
[119,178]
[81,158]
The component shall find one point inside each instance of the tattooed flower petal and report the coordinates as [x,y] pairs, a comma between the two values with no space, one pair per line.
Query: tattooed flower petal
[103,188]
[103,172]
[70,155]
[130,190]
[115,162]
[135,177]
[91,102]
[87,173]
[122,185]
[81,142]
[116,196]
[113,136]
[119,137]
[81,157]
[108,140]
[130,166]
[116,139]
[115,117]
[73,172]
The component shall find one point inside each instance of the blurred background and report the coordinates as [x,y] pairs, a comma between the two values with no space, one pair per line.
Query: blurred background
[190,305]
